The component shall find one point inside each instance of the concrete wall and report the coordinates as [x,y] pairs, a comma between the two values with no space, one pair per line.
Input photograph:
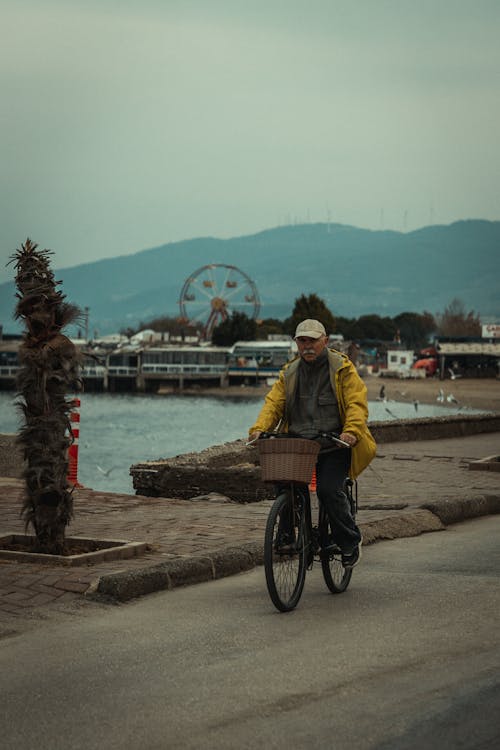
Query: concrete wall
[233,468]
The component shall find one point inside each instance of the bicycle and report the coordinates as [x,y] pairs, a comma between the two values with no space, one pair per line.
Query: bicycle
[291,542]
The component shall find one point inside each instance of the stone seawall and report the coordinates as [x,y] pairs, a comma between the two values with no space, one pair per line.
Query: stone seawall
[433,428]
[233,468]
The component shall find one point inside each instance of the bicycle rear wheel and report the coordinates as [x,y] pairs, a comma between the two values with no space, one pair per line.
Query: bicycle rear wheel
[336,577]
[284,551]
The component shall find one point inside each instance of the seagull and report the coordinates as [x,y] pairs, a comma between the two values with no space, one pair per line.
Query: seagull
[440,396]
[391,413]
[106,472]
[415,404]
[382,392]
[451,399]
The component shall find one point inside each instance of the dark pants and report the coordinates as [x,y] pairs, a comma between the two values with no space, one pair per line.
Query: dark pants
[331,472]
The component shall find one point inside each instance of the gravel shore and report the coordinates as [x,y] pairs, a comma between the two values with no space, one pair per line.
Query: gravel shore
[476,393]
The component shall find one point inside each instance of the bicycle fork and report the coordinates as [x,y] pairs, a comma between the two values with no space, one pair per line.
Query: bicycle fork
[309,541]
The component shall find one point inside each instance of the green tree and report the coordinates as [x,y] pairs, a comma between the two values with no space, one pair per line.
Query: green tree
[238,327]
[348,327]
[455,321]
[375,327]
[310,306]
[415,328]
[269,326]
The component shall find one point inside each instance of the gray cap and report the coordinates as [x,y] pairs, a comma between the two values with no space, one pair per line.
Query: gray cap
[313,329]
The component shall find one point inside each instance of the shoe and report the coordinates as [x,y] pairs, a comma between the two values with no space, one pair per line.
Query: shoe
[350,559]
[287,549]
[332,547]
[286,544]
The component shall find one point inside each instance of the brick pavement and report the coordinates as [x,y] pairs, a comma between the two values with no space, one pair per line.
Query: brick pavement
[401,478]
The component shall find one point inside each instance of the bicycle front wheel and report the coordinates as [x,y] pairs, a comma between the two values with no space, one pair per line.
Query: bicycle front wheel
[337,578]
[284,551]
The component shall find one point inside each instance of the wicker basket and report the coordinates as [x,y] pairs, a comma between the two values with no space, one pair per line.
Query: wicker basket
[287,459]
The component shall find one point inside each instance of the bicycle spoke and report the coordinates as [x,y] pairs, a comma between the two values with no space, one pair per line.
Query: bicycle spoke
[336,577]
[284,554]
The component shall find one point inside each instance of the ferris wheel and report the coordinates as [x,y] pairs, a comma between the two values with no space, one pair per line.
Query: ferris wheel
[212,292]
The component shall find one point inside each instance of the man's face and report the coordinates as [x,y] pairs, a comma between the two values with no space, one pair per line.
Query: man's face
[310,349]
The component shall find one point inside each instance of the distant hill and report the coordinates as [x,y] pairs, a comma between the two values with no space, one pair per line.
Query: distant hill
[356,271]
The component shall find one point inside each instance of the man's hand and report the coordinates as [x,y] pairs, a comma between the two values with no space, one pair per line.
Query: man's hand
[347,437]
[254,436]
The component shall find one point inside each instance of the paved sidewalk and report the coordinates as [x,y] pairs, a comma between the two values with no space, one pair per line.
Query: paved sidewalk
[410,488]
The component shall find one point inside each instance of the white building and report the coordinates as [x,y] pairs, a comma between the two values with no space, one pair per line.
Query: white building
[399,361]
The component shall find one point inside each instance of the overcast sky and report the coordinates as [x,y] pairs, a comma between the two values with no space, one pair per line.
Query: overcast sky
[125,124]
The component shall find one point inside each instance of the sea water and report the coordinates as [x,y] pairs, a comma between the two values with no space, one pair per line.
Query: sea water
[119,430]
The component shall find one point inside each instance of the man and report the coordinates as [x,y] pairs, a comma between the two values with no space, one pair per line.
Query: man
[321,391]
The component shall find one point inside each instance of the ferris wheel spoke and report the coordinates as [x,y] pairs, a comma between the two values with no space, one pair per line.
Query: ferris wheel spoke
[201,315]
[194,303]
[232,292]
[225,283]
[198,308]
[213,279]
[207,294]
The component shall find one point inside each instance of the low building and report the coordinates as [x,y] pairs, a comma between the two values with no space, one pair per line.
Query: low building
[167,365]
[468,357]
[254,361]
[399,362]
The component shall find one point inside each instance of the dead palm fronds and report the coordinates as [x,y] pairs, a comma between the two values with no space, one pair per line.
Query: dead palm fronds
[49,370]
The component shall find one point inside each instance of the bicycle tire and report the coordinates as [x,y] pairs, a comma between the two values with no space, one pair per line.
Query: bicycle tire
[285,572]
[337,578]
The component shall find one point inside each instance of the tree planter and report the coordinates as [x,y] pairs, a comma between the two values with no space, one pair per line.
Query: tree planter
[80,550]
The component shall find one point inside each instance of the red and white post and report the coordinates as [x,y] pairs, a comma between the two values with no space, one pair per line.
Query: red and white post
[312,483]
[74,418]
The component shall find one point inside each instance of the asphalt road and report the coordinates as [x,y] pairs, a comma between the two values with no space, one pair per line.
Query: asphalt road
[407,658]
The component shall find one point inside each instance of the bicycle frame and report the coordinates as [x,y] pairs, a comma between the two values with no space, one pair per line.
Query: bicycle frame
[290,518]
[313,533]
[301,499]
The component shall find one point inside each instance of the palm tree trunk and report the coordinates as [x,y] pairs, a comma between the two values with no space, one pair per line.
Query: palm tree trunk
[50,369]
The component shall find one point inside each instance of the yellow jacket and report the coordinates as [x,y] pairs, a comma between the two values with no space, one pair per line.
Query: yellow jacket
[351,398]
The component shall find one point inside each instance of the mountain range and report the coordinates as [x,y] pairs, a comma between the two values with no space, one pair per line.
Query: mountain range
[356,272]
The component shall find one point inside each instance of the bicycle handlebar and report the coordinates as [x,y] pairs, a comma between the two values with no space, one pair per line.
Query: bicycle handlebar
[335,439]
[328,435]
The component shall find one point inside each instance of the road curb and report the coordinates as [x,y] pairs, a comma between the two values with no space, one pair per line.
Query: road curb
[433,516]
[399,526]
[126,585]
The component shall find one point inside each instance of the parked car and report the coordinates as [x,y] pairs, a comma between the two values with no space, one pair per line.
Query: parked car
[429,364]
